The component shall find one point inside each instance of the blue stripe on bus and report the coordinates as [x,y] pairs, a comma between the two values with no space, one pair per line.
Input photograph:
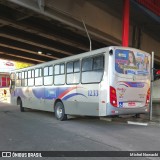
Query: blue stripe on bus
[38,93]
[50,93]
[136,84]
[54,93]
[133,84]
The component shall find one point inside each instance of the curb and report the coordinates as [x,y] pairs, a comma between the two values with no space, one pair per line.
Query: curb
[139,122]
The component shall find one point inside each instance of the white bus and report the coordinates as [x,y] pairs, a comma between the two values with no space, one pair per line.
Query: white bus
[104,82]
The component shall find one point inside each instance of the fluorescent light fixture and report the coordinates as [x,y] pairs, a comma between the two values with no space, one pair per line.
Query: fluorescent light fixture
[39,52]
[49,54]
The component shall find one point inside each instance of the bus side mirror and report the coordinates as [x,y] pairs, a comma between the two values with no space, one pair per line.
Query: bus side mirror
[156,73]
[111,52]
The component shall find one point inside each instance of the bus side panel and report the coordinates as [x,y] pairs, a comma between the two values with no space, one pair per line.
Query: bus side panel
[88,99]
[13,98]
[103,98]
[104,88]
[70,107]
[68,95]
[80,99]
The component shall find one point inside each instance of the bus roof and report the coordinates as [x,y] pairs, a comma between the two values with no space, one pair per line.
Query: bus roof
[74,57]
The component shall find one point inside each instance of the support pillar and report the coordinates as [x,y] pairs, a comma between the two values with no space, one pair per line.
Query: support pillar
[125,27]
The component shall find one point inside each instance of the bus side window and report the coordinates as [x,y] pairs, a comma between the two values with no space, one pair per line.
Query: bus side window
[38,77]
[45,71]
[73,72]
[31,77]
[98,63]
[92,69]
[18,79]
[59,74]
[48,75]
[87,64]
[23,80]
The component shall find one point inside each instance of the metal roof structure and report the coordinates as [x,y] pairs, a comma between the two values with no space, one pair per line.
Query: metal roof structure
[31,36]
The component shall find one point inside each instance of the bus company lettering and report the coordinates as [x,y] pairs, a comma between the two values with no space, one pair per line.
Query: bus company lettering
[121,90]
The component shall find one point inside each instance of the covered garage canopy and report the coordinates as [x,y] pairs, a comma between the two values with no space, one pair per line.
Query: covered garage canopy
[35,31]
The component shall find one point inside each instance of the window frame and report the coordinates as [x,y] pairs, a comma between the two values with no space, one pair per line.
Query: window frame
[67,73]
[97,55]
[19,78]
[48,71]
[38,72]
[31,77]
[60,64]
[48,75]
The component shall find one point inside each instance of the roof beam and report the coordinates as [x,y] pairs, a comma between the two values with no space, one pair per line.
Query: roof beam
[18,58]
[43,33]
[20,54]
[38,43]
[75,23]
[19,46]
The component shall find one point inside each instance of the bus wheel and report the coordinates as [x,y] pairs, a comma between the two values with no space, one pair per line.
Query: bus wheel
[137,116]
[20,105]
[60,112]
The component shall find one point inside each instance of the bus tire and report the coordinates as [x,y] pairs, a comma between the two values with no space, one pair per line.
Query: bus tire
[60,111]
[20,105]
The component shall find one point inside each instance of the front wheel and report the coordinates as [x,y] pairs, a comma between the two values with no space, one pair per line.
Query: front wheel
[60,112]
[20,105]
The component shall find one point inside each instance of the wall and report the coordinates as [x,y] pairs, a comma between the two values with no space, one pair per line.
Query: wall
[156,91]
[149,44]
[102,21]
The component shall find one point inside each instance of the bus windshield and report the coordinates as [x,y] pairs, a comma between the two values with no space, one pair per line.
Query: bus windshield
[132,62]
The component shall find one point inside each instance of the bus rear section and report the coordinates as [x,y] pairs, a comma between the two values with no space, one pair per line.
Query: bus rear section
[129,89]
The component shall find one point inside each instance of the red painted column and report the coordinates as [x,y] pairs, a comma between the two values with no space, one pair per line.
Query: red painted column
[125,29]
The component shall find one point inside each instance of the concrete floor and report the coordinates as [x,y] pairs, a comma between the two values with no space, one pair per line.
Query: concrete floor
[40,131]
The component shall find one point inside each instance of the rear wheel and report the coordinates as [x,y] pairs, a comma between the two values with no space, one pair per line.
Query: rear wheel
[60,112]
[137,116]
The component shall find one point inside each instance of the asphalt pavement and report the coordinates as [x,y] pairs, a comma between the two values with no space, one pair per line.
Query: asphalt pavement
[40,131]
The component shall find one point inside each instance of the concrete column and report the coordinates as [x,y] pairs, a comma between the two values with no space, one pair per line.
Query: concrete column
[125,27]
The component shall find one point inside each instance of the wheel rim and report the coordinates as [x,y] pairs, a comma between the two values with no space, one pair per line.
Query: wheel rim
[59,111]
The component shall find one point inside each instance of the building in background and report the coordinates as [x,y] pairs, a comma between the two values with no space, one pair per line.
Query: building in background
[6,67]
